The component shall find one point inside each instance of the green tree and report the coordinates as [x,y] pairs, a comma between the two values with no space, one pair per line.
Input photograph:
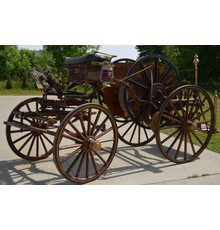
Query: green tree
[9,56]
[61,51]
[45,61]
[144,50]
[182,56]
[9,84]
[24,67]
[17,64]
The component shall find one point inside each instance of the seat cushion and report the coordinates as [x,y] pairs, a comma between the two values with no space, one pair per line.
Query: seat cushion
[85,60]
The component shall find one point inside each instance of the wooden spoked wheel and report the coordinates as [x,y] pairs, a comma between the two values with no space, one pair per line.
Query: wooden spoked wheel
[85,143]
[29,145]
[185,124]
[154,88]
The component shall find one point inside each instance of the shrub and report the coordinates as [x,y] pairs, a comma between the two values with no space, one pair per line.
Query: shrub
[25,82]
[9,84]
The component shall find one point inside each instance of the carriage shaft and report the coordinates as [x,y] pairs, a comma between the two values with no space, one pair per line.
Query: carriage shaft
[30,128]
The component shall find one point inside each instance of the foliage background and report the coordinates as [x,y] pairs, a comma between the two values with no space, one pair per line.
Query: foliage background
[15,64]
[182,57]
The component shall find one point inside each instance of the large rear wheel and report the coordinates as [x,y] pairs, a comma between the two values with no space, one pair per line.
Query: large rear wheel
[153,78]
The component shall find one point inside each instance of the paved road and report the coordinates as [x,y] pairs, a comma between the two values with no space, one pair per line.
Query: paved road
[131,166]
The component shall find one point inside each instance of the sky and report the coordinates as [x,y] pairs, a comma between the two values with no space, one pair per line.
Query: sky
[122,51]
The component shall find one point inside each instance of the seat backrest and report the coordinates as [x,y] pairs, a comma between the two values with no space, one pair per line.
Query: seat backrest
[45,83]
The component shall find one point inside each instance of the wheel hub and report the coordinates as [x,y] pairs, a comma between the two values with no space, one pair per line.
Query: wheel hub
[159,93]
[190,126]
[91,144]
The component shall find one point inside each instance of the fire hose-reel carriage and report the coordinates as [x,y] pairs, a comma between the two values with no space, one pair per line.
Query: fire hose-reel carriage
[138,101]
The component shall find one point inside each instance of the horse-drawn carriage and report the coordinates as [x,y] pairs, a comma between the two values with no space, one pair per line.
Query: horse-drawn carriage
[133,101]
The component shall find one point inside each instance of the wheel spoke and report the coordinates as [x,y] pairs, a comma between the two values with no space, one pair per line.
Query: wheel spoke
[100,157]
[74,162]
[132,135]
[203,113]
[107,140]
[25,143]
[22,137]
[19,131]
[96,122]
[146,133]
[107,150]
[139,134]
[122,125]
[171,127]
[138,84]
[172,86]
[69,146]
[189,94]
[89,122]
[173,143]
[197,138]
[181,106]
[203,131]
[101,126]
[71,137]
[87,164]
[128,129]
[47,138]
[30,148]
[81,164]
[166,74]
[174,108]
[70,155]
[194,102]
[37,146]
[78,132]
[191,143]
[179,146]
[169,136]
[185,147]
[28,107]
[42,141]
[170,117]
[93,161]
[199,107]
[83,125]
[104,133]
[145,73]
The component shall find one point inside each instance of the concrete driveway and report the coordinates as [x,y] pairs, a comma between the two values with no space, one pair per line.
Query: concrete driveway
[131,166]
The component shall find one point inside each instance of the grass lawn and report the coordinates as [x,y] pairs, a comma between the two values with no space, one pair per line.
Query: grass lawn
[214,144]
[17,89]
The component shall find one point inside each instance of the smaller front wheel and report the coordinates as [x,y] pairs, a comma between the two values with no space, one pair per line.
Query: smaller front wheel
[85,143]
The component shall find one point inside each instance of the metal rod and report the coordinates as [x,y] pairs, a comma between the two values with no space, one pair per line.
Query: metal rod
[106,54]
[196,61]
[187,70]
[137,72]
[215,113]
